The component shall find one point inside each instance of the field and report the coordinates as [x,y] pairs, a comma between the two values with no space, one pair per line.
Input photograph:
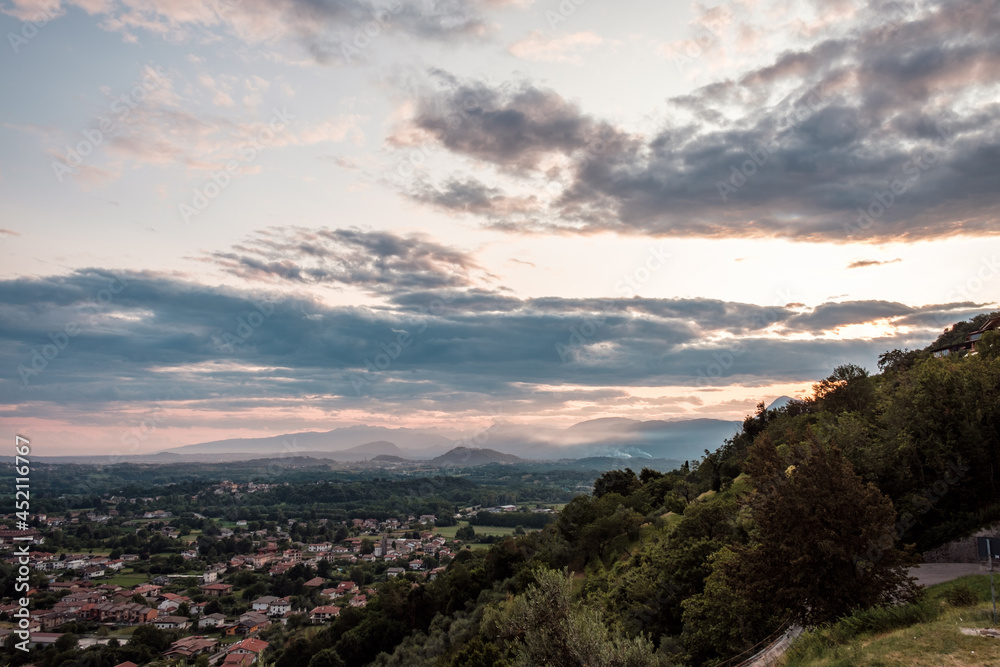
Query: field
[448,532]
[126,579]
[934,642]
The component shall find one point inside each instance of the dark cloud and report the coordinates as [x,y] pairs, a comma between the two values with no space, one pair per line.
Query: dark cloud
[97,339]
[511,126]
[886,135]
[373,260]
[830,316]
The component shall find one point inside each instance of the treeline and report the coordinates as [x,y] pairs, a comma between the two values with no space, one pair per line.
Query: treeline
[512,519]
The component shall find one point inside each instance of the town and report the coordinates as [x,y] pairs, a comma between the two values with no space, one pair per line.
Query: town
[219,587]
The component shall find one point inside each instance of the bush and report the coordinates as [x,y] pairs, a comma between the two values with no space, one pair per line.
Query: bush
[961,595]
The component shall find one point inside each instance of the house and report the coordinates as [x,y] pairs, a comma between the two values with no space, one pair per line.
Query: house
[251,622]
[244,652]
[344,588]
[315,582]
[279,607]
[970,341]
[394,571]
[262,603]
[216,590]
[171,602]
[146,590]
[191,647]
[359,601]
[171,622]
[213,620]
[323,613]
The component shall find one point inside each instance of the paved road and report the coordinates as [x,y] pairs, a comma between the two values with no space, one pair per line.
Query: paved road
[929,574]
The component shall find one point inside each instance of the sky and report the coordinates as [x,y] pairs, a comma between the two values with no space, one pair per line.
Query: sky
[238,218]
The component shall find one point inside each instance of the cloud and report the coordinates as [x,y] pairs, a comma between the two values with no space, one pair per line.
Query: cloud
[326,30]
[889,133]
[136,336]
[555,49]
[376,261]
[862,263]
[153,125]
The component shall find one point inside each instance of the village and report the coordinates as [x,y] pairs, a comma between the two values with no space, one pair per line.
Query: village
[218,609]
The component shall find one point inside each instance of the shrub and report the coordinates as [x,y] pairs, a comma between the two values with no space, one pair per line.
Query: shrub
[961,595]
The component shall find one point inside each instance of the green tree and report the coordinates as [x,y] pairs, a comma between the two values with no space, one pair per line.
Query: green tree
[326,658]
[622,482]
[543,626]
[823,545]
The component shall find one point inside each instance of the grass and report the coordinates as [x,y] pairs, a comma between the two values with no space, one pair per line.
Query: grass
[448,532]
[923,634]
[126,579]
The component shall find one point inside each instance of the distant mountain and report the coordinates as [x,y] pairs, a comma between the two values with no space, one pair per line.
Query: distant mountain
[368,450]
[677,440]
[466,456]
[332,442]
[388,458]
[779,402]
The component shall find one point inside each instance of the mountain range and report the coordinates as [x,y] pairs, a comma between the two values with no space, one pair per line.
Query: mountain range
[610,438]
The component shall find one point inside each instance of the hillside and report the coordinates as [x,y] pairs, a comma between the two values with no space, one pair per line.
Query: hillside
[466,456]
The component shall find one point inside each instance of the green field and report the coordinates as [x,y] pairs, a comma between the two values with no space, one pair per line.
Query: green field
[448,532]
[127,579]
[886,638]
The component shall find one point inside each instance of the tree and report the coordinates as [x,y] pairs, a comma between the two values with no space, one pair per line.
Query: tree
[823,546]
[326,658]
[66,642]
[622,482]
[151,637]
[466,533]
[542,626]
